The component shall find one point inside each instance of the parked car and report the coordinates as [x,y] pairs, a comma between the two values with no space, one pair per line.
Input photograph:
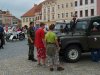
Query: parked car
[82,39]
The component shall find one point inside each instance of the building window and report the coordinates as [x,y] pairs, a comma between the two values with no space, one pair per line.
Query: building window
[48,9]
[66,14]
[71,4]
[44,10]
[67,5]
[92,1]
[86,13]
[58,15]
[81,2]
[81,13]
[38,17]
[52,9]
[76,13]
[29,19]
[58,6]
[53,16]
[71,14]
[62,5]
[48,17]
[23,19]
[26,19]
[86,2]
[92,12]
[62,15]
[75,3]
[44,17]
[33,19]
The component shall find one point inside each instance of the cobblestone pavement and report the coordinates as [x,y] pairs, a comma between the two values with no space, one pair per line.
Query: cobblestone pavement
[13,61]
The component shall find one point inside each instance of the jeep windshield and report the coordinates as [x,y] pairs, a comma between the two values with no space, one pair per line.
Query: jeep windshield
[62,27]
[81,25]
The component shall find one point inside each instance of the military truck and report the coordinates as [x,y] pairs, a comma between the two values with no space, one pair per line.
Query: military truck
[84,37]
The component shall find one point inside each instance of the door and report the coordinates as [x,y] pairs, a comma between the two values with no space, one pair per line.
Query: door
[94,38]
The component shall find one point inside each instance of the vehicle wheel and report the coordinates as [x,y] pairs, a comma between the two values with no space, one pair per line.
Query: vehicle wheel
[7,39]
[21,37]
[73,53]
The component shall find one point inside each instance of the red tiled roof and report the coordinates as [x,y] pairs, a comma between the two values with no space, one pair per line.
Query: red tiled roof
[32,11]
[39,8]
[35,9]
[48,1]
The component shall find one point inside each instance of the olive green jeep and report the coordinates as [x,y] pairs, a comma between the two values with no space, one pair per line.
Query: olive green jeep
[84,37]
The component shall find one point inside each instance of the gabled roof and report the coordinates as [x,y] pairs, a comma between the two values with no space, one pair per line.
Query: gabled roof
[39,8]
[48,1]
[30,13]
[33,10]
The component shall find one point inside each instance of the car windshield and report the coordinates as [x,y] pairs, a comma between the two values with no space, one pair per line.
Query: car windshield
[59,26]
[82,25]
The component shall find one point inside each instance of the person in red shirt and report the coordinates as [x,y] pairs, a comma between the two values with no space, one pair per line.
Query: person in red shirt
[40,44]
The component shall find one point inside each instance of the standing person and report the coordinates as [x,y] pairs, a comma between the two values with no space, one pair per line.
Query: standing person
[31,37]
[95,54]
[73,23]
[40,44]
[53,49]
[1,37]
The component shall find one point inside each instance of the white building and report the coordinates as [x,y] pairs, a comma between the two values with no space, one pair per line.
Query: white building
[86,8]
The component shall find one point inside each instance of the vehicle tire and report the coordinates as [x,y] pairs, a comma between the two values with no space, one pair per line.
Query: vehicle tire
[21,37]
[7,38]
[73,53]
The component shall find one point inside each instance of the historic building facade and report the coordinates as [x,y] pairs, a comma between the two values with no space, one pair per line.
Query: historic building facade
[34,14]
[51,11]
[6,18]
[55,10]
[87,8]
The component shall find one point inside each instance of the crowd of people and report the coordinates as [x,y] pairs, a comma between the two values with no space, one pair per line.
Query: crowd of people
[4,30]
[47,47]
[46,44]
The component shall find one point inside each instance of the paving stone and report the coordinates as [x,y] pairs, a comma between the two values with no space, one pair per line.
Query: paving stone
[13,61]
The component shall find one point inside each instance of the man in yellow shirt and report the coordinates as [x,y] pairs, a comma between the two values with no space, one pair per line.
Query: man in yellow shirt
[52,46]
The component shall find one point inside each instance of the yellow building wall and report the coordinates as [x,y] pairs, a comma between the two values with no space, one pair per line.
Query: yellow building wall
[57,11]
[65,9]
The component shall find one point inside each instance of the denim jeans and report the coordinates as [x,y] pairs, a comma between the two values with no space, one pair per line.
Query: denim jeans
[95,54]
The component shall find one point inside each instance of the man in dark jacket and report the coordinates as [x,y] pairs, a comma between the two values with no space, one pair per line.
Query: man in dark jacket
[1,37]
[31,37]
[73,23]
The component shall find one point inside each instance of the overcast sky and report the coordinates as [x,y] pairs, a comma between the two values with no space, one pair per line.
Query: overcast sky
[17,7]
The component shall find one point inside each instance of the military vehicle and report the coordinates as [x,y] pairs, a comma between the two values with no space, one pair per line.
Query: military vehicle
[84,37]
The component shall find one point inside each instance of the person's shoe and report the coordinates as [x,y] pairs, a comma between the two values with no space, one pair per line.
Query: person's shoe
[44,65]
[34,60]
[2,47]
[51,69]
[29,58]
[60,68]
[39,64]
